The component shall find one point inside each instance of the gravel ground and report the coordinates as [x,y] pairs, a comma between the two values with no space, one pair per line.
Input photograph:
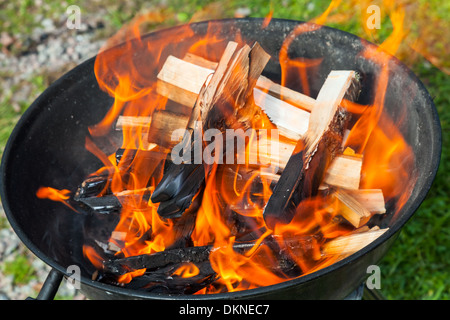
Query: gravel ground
[52,50]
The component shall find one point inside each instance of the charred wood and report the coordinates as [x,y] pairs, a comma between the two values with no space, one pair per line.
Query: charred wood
[307,166]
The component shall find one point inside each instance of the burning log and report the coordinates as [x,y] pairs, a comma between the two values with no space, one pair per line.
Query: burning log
[105,204]
[234,78]
[201,254]
[157,260]
[307,166]
[176,279]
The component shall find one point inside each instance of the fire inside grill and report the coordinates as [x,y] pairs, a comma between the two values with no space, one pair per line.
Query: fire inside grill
[227,180]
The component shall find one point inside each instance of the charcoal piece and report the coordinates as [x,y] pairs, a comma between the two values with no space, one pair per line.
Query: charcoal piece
[92,186]
[106,204]
[165,280]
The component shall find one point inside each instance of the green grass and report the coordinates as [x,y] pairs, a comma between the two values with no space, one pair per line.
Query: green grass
[417,266]
[20,268]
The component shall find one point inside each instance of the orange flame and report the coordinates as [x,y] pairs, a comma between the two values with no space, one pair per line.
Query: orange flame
[55,195]
[187,270]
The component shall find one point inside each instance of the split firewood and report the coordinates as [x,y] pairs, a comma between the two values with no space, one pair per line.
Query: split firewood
[162,127]
[130,122]
[371,199]
[285,94]
[351,209]
[181,85]
[158,128]
[312,156]
[221,104]
[200,61]
[262,150]
[174,70]
[285,114]
[291,121]
[174,180]
[345,172]
[351,243]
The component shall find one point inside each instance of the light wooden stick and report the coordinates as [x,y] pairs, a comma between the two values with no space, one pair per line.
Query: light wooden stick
[351,243]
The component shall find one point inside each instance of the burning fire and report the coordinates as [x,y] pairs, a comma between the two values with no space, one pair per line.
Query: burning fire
[131,81]
[55,195]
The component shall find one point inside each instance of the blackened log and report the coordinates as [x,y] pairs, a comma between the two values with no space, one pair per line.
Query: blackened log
[200,254]
[106,204]
[312,155]
[157,260]
[165,280]
[161,259]
[113,202]
[92,187]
